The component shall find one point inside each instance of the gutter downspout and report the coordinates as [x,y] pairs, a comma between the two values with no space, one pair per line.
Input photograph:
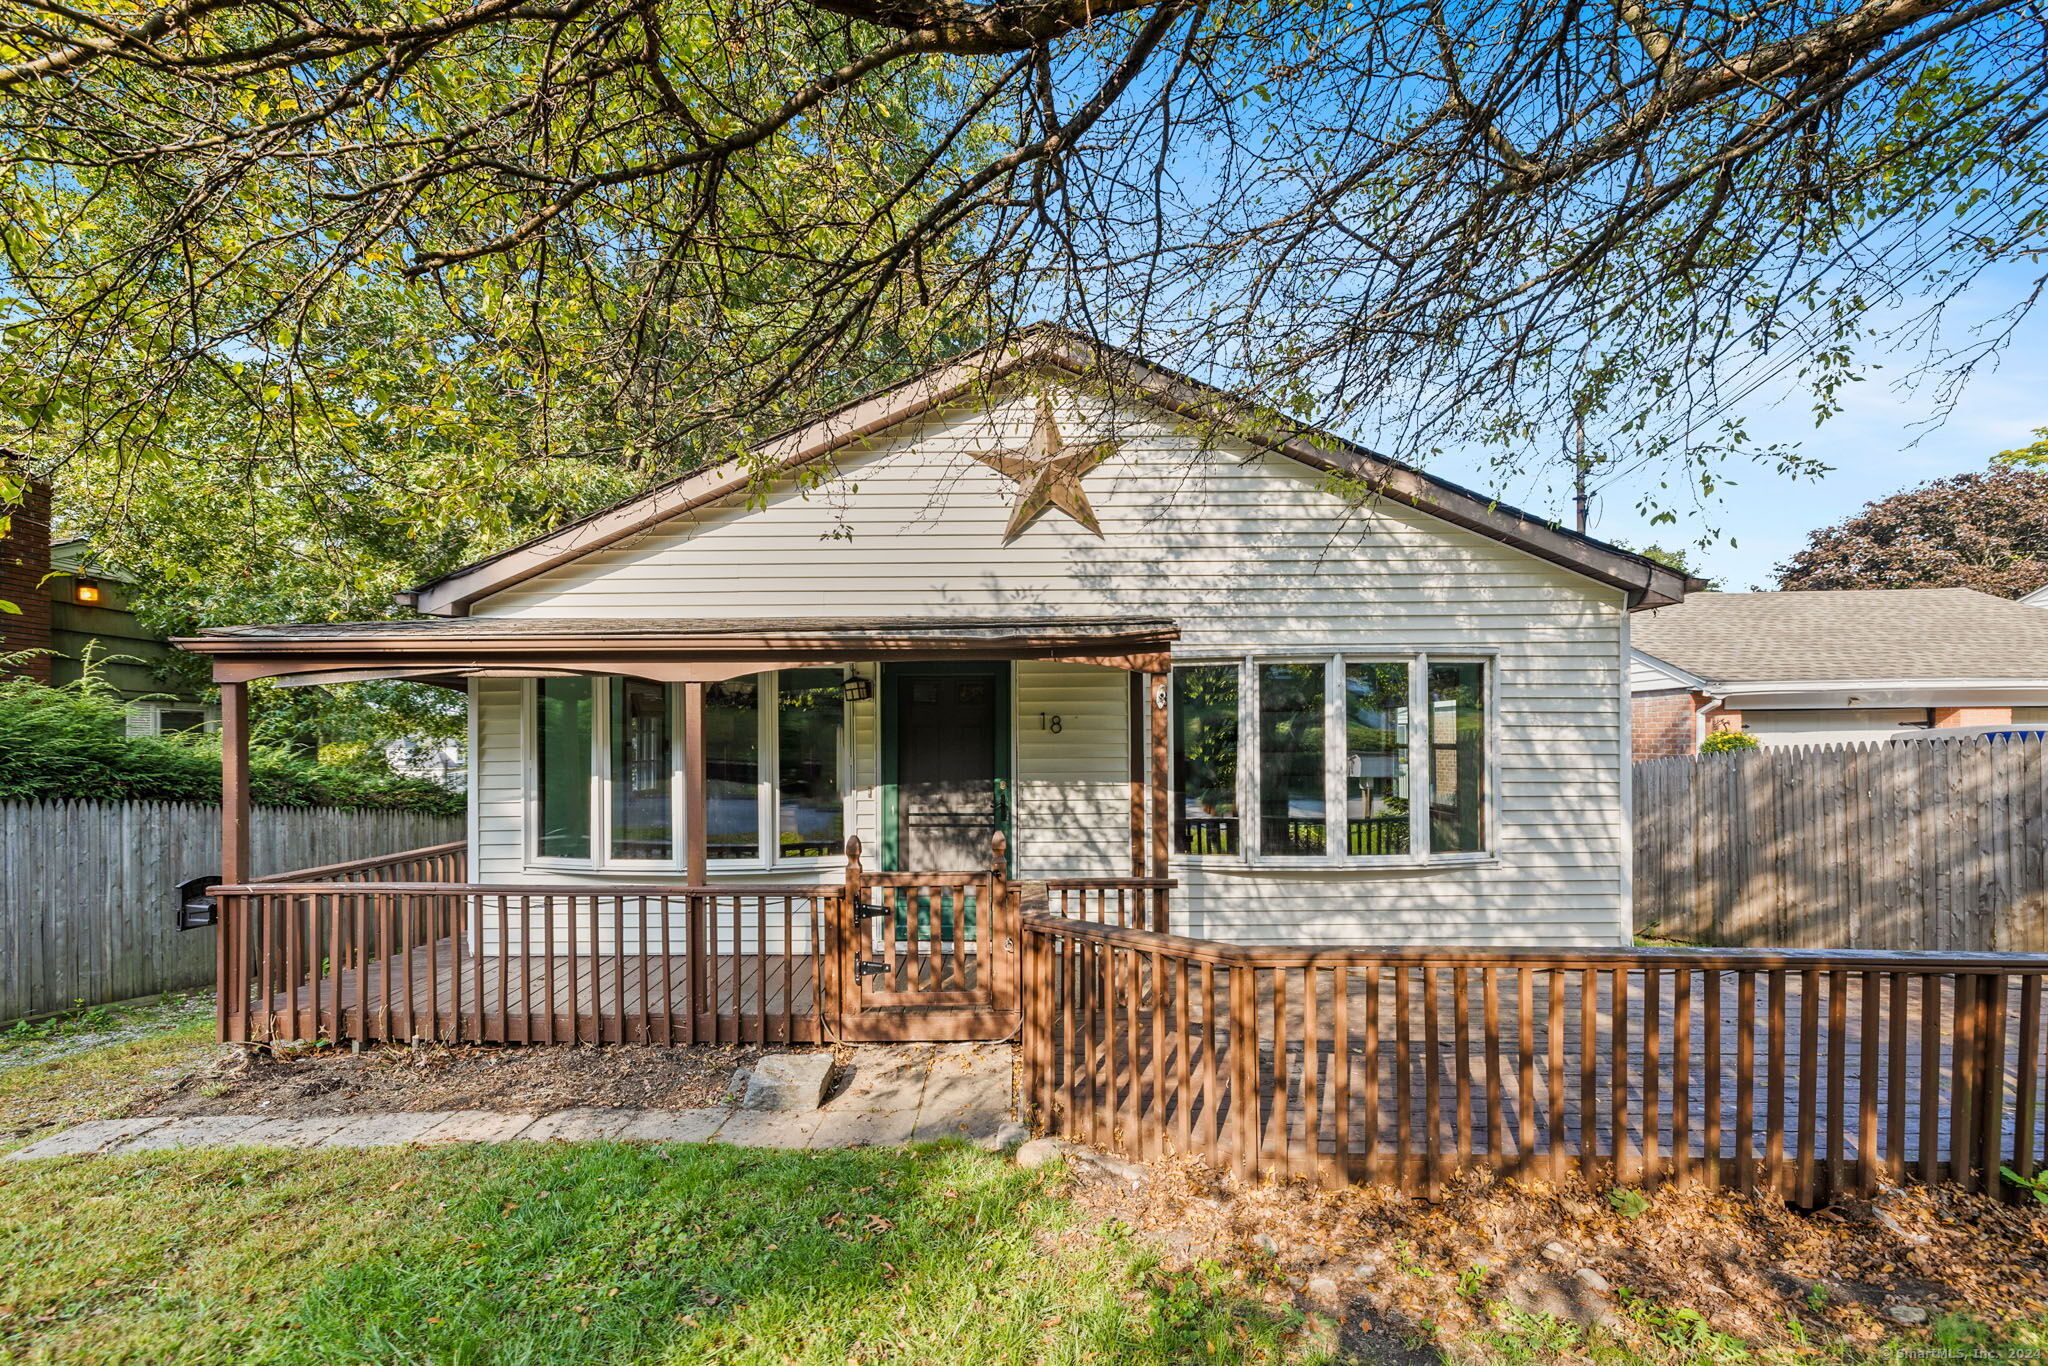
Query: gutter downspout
[1699,717]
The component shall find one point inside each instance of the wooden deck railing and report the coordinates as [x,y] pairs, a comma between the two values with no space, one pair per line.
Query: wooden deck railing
[1139,902]
[528,964]
[435,863]
[1798,1073]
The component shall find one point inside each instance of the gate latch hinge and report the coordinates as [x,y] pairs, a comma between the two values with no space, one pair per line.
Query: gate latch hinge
[866,967]
[864,911]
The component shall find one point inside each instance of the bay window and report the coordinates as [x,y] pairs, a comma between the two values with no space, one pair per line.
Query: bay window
[1323,752]
[609,767]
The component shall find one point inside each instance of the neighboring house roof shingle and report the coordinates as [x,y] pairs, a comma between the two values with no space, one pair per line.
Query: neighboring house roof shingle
[1897,633]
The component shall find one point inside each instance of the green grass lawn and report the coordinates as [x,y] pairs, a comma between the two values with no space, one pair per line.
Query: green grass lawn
[590,1253]
[99,1083]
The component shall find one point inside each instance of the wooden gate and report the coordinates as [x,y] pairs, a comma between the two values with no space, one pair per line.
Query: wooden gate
[923,956]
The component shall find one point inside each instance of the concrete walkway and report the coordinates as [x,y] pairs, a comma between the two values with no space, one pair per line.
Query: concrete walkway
[907,1094]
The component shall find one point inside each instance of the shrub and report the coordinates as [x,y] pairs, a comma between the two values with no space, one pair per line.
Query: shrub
[71,743]
[1727,742]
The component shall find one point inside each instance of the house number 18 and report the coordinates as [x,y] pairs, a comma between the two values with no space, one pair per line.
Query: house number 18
[1047,721]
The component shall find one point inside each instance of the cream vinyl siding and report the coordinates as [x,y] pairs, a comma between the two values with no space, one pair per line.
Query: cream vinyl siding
[1249,554]
[1832,725]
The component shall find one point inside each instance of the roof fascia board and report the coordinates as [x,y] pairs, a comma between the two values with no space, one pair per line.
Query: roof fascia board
[1644,583]
[1773,686]
[1681,677]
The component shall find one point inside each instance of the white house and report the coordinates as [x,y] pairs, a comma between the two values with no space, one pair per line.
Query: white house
[1830,667]
[1396,711]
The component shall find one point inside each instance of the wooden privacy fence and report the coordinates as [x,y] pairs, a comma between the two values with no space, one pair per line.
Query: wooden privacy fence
[89,890]
[1920,844]
[1801,1074]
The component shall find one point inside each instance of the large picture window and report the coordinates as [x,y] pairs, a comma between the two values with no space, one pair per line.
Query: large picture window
[1457,757]
[732,769]
[1324,753]
[1205,760]
[562,730]
[642,767]
[608,770]
[1293,797]
[810,820]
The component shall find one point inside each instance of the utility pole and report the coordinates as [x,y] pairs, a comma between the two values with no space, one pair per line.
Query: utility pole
[1581,500]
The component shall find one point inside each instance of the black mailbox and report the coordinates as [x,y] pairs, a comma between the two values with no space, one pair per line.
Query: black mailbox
[196,910]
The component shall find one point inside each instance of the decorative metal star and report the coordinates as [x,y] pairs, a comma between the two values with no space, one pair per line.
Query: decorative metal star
[1048,474]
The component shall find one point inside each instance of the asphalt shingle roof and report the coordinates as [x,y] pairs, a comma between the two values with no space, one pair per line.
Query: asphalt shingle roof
[1898,633]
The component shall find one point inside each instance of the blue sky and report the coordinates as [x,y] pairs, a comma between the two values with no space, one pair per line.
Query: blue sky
[1884,440]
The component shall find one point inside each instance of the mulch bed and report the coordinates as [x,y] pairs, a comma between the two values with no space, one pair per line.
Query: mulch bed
[460,1077]
[1401,1279]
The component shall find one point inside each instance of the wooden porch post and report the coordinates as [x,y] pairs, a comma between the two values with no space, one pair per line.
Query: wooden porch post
[695,837]
[229,926]
[1137,706]
[701,973]
[234,783]
[1158,691]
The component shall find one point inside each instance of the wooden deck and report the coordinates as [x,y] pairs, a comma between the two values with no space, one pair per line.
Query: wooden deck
[442,990]
[1681,1097]
[1748,1070]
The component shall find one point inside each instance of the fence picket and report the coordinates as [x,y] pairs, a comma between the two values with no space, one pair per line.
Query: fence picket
[1921,844]
[1826,1017]
[89,906]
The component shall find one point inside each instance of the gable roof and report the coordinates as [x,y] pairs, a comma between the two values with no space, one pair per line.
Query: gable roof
[1862,634]
[1044,348]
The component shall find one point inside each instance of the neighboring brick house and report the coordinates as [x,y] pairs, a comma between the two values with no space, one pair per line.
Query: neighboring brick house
[90,617]
[67,609]
[1825,668]
[24,567]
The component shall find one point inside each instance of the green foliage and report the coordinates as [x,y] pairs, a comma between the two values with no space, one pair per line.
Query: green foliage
[2033,455]
[1987,531]
[1679,559]
[1628,1202]
[2035,1185]
[1727,742]
[71,743]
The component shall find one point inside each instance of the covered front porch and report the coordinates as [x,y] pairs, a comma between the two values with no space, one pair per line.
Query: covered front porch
[726,918]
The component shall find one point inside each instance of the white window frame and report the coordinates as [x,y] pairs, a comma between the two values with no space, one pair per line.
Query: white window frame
[767,796]
[1335,759]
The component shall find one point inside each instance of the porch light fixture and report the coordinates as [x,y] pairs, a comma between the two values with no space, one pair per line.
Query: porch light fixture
[854,688]
[86,591]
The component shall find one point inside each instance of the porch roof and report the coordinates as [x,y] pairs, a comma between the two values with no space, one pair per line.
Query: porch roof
[671,649]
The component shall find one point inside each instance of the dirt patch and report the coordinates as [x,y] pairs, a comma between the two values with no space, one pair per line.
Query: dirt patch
[480,1077]
[1505,1270]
